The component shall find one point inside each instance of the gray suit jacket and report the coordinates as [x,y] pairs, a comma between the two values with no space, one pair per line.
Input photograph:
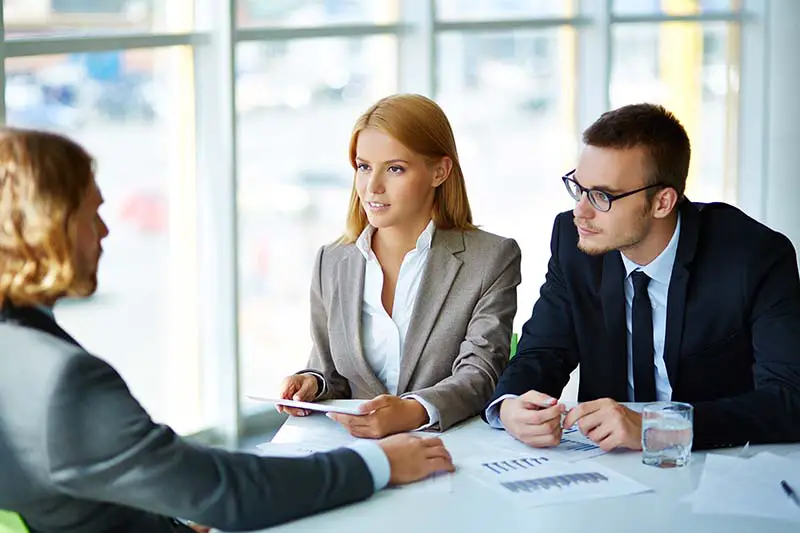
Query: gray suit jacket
[79,454]
[460,332]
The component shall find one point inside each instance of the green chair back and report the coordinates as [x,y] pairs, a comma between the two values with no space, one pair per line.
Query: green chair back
[514,339]
[11,523]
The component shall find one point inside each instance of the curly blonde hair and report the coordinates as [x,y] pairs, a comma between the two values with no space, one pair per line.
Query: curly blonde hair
[43,180]
[420,125]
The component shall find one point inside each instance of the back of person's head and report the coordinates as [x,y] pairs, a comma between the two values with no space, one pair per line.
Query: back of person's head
[44,177]
[656,131]
[420,125]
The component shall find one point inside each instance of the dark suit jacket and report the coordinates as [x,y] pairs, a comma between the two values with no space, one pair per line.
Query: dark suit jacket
[732,345]
[79,454]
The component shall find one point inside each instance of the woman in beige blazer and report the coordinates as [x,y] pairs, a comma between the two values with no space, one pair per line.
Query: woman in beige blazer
[413,307]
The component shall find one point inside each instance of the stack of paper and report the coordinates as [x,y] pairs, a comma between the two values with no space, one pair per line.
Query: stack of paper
[748,487]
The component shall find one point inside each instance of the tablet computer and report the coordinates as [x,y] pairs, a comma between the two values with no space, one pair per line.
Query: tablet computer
[348,408]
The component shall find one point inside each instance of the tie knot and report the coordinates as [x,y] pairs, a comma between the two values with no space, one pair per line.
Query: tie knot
[640,281]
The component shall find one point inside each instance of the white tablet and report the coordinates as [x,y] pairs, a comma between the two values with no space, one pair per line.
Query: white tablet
[325,407]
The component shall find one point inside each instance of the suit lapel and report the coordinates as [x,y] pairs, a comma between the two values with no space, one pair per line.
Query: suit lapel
[613,298]
[351,296]
[678,285]
[438,278]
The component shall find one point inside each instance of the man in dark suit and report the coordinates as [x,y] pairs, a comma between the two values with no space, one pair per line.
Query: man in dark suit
[77,452]
[656,298]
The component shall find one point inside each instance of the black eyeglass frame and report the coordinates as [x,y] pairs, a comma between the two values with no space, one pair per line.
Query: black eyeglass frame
[592,193]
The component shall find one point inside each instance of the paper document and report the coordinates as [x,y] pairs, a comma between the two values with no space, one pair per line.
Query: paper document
[537,480]
[273,449]
[573,447]
[748,487]
[333,406]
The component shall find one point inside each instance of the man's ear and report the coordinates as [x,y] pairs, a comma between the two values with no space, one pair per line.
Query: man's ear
[664,202]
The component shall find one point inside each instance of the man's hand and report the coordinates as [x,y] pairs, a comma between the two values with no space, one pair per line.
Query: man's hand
[412,458]
[608,424]
[301,388]
[533,418]
[383,415]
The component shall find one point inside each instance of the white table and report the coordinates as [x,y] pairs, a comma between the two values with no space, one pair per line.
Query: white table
[472,507]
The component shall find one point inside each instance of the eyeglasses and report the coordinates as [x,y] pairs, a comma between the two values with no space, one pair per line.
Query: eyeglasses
[600,200]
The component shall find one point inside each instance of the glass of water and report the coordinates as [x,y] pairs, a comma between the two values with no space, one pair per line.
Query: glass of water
[667,434]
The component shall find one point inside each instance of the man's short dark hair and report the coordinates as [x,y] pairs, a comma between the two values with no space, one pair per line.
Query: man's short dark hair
[653,128]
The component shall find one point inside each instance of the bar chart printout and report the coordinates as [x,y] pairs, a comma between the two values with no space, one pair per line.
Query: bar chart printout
[537,480]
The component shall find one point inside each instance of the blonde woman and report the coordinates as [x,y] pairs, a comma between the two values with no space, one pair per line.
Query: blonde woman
[413,307]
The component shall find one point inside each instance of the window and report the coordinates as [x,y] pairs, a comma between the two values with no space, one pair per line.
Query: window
[302,13]
[294,182]
[672,7]
[34,18]
[510,97]
[691,69]
[131,110]
[501,9]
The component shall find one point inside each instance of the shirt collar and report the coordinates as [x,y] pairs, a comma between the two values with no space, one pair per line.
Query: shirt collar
[660,268]
[364,242]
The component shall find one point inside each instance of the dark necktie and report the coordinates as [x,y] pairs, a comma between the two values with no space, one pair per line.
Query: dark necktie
[644,369]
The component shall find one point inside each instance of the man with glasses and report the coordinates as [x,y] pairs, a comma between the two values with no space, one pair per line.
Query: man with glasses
[657,298]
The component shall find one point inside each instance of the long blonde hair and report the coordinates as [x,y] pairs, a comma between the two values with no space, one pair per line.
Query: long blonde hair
[43,180]
[420,125]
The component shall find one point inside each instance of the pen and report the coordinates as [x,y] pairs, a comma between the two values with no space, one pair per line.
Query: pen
[790,492]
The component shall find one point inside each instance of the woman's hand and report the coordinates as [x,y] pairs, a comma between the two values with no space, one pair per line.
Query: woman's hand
[298,387]
[384,415]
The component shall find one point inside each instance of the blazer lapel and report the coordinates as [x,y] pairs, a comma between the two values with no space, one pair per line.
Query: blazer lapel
[351,297]
[678,285]
[613,298]
[438,278]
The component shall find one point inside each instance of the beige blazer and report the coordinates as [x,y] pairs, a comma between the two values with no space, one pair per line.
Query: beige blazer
[460,332]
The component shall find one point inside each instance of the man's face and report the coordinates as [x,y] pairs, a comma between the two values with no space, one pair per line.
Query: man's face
[629,220]
[87,232]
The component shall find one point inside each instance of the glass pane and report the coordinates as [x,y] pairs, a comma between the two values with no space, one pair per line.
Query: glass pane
[303,13]
[511,100]
[294,182]
[672,7]
[30,18]
[138,126]
[693,70]
[502,9]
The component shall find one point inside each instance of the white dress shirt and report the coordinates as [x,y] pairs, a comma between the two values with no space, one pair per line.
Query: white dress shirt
[383,337]
[659,270]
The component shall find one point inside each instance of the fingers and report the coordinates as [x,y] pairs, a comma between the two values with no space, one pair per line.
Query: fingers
[589,422]
[542,436]
[379,402]
[440,464]
[538,399]
[366,427]
[439,452]
[430,442]
[343,419]
[307,390]
[599,432]
[543,416]
[583,409]
[294,411]
[289,388]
